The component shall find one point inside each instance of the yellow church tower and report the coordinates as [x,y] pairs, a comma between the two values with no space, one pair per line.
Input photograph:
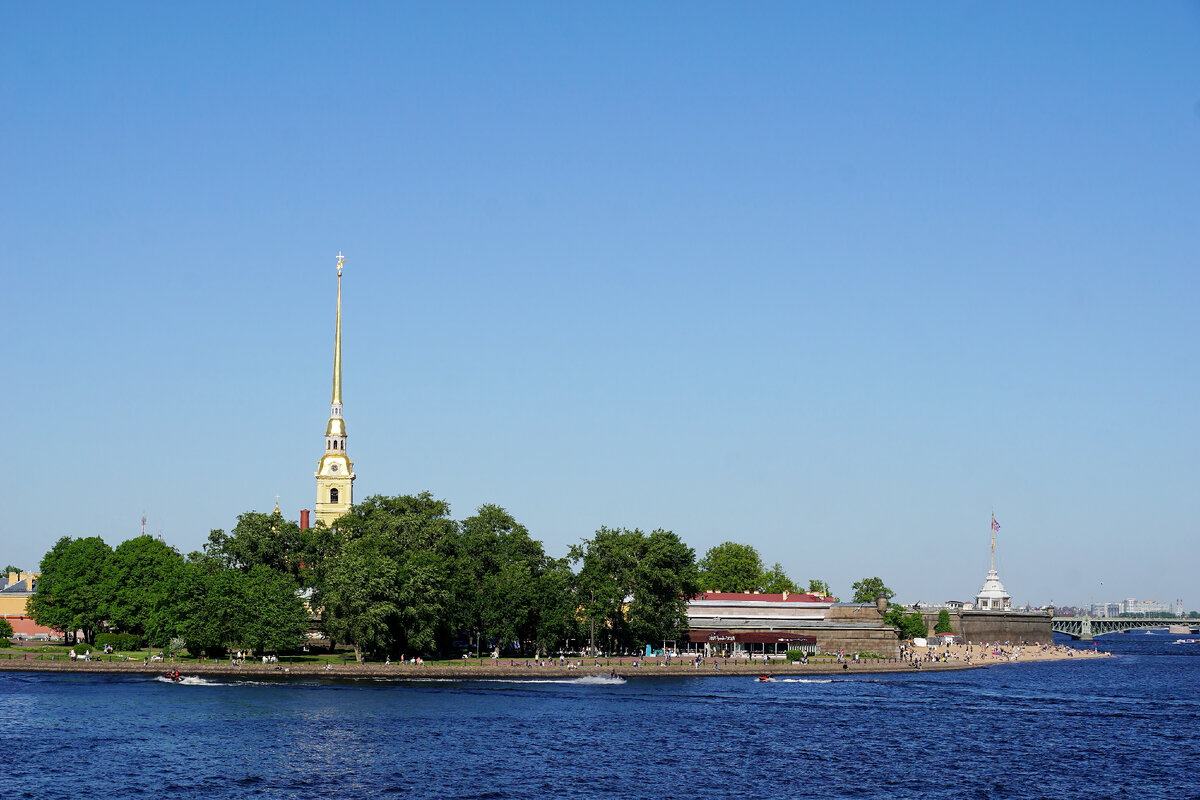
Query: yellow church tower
[335,476]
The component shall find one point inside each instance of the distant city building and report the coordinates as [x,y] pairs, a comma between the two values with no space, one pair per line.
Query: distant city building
[1104,610]
[1134,606]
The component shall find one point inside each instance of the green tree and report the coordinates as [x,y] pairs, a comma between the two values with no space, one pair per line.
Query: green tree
[266,539]
[868,589]
[557,602]
[731,567]
[271,617]
[665,578]
[495,579]
[72,594]
[208,608]
[909,626]
[6,629]
[606,575]
[383,581]
[143,575]
[819,587]
[218,607]
[776,581]
[10,568]
[358,598]
[943,623]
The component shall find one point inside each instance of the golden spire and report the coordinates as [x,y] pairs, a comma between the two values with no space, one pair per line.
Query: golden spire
[337,338]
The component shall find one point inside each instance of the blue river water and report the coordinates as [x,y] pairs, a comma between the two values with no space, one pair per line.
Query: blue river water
[1122,727]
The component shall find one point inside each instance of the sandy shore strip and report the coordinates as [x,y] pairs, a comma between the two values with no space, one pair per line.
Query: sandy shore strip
[513,669]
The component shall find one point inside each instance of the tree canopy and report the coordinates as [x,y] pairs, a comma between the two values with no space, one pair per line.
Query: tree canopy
[776,581]
[731,567]
[633,587]
[73,592]
[869,589]
[399,575]
[384,579]
[819,587]
[909,626]
[142,577]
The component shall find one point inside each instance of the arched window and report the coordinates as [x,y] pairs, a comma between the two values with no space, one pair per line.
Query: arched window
[333,495]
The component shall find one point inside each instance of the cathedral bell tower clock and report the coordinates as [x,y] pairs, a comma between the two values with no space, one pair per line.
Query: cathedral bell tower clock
[335,472]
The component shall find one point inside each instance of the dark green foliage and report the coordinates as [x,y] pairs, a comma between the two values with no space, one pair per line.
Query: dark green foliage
[264,539]
[604,580]
[142,578]
[556,601]
[11,568]
[498,582]
[384,579]
[73,593]
[121,641]
[633,587]
[819,587]
[909,626]
[664,580]
[220,608]
[795,655]
[869,589]
[943,623]
[731,567]
[776,581]
[6,629]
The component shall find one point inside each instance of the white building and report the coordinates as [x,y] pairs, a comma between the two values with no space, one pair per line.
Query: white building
[992,596]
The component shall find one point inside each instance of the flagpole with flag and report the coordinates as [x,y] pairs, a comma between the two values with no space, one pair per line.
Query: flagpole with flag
[995,527]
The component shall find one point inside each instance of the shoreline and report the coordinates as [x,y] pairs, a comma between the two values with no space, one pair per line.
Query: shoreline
[518,671]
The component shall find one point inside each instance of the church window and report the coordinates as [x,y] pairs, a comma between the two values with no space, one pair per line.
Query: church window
[333,495]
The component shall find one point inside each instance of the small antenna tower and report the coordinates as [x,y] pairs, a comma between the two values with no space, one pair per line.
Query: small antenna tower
[143,524]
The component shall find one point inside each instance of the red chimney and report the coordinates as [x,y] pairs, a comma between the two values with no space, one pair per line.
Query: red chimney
[304,519]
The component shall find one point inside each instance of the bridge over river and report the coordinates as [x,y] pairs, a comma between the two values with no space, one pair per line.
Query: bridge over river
[1090,627]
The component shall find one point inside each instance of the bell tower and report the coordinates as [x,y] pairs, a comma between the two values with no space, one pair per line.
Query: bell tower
[335,472]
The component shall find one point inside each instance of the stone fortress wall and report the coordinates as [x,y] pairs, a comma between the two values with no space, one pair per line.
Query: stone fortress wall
[996,626]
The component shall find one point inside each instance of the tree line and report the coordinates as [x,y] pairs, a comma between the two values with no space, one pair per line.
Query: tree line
[396,575]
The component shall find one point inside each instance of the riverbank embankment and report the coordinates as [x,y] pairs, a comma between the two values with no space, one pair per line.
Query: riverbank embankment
[511,669]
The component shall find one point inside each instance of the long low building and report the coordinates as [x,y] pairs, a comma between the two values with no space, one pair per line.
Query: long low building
[749,623]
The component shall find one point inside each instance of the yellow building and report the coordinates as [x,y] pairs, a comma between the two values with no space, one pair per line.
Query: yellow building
[15,593]
[14,602]
[335,472]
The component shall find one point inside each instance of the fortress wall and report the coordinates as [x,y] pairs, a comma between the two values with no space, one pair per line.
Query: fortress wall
[1002,626]
[881,641]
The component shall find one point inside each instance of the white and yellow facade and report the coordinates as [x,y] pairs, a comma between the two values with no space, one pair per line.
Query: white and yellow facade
[335,471]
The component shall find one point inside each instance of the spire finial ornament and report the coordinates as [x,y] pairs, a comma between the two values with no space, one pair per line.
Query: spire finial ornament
[337,340]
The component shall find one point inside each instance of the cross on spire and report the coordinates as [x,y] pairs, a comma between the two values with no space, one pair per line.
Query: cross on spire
[341,259]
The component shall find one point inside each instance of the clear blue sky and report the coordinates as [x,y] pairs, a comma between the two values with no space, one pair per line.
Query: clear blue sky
[836,281]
